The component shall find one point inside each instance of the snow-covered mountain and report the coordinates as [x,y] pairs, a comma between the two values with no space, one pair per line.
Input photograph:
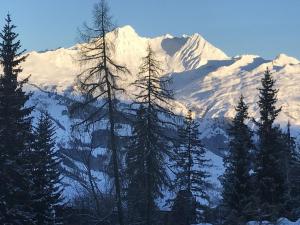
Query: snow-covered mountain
[205,80]
[214,88]
[178,54]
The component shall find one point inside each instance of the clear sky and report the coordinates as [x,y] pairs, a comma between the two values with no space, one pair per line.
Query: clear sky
[262,27]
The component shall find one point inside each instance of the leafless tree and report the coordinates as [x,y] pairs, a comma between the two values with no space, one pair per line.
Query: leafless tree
[98,81]
[93,196]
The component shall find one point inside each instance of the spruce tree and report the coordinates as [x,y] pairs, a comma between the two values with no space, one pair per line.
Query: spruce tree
[16,195]
[191,164]
[136,171]
[237,179]
[291,168]
[268,169]
[46,174]
[184,209]
[154,98]
[99,81]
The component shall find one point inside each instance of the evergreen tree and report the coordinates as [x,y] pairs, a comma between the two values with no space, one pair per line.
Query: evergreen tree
[268,169]
[46,174]
[291,168]
[136,172]
[154,100]
[99,81]
[237,179]
[16,196]
[184,209]
[191,164]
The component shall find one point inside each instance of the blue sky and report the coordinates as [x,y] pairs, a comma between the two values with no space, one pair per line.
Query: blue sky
[262,27]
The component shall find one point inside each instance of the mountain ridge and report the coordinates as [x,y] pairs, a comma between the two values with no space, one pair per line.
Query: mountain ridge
[205,78]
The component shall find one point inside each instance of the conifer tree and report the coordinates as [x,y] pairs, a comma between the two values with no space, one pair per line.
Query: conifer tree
[237,179]
[191,164]
[136,171]
[268,169]
[99,81]
[154,99]
[46,174]
[16,196]
[184,209]
[291,170]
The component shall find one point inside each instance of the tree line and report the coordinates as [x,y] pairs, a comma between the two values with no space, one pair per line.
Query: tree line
[29,174]
[261,179]
[155,148]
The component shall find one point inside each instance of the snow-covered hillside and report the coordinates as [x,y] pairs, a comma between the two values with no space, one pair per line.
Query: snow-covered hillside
[205,80]
[178,54]
[214,88]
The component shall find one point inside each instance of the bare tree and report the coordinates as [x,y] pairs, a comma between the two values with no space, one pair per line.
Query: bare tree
[99,82]
[93,196]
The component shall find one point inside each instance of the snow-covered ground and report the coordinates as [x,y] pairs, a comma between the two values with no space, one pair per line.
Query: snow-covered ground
[282,221]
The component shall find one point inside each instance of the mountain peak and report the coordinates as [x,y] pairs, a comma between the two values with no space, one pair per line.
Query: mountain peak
[127,30]
[283,59]
[204,49]
[197,35]
[168,36]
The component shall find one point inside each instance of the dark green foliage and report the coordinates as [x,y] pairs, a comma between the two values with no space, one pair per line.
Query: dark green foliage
[184,209]
[83,210]
[268,168]
[149,143]
[191,165]
[46,174]
[16,195]
[291,168]
[237,188]
[136,172]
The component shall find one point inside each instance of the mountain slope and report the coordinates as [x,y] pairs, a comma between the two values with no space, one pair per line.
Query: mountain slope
[177,54]
[204,77]
[205,80]
[214,88]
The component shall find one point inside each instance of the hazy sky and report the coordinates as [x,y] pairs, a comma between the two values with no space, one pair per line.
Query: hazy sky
[262,27]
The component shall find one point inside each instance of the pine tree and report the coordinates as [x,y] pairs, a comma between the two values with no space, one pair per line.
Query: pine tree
[291,168]
[268,170]
[46,174]
[184,209]
[191,164]
[15,134]
[237,179]
[154,99]
[99,81]
[136,171]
